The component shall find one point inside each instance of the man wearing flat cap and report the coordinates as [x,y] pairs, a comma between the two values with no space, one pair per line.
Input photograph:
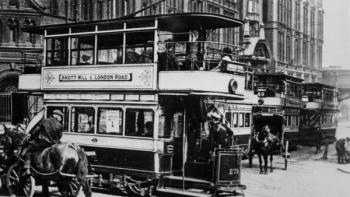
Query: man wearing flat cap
[45,134]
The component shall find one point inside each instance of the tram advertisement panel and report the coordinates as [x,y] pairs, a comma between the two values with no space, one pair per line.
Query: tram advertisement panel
[121,77]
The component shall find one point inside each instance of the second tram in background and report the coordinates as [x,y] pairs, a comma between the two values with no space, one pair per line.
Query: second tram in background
[279,105]
[318,117]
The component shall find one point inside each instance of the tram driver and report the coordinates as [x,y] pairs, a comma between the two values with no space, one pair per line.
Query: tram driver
[220,135]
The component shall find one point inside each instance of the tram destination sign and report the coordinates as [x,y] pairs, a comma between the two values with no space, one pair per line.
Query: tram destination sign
[96,77]
[131,77]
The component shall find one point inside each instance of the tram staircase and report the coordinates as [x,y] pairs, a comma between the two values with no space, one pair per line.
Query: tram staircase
[185,186]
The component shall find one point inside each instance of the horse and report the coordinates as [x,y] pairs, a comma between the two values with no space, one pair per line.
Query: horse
[264,144]
[65,164]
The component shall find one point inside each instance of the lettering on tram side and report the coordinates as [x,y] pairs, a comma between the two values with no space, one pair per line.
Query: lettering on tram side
[96,77]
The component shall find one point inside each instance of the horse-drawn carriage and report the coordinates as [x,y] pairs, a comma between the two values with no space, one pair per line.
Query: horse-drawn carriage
[65,165]
[278,108]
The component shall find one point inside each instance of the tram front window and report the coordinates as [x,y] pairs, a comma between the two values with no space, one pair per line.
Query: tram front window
[83,50]
[56,51]
[139,122]
[65,112]
[139,47]
[83,119]
[110,121]
[110,49]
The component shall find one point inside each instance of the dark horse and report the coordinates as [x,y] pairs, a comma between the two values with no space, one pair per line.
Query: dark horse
[264,145]
[65,164]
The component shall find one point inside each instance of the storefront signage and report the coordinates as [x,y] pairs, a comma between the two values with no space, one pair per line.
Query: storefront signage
[96,77]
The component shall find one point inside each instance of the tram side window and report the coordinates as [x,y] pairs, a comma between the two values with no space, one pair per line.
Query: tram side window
[241,119]
[235,120]
[247,119]
[139,122]
[56,51]
[83,119]
[110,49]
[139,47]
[83,50]
[110,121]
[228,116]
[65,112]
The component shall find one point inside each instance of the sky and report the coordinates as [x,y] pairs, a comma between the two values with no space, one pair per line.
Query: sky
[336,47]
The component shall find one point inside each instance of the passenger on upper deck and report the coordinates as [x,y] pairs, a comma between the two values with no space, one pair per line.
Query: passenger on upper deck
[226,56]
[167,59]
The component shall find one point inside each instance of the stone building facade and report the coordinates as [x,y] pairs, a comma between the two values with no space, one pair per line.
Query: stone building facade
[294,31]
[19,51]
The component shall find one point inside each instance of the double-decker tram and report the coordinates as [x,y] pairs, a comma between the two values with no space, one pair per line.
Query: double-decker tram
[318,117]
[136,93]
[279,106]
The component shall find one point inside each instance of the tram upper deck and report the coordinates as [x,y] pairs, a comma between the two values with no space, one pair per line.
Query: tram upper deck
[320,96]
[277,89]
[137,54]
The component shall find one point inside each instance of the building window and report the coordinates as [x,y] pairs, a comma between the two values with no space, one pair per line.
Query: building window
[297,15]
[13,30]
[281,47]
[296,51]
[288,48]
[14,3]
[253,6]
[74,9]
[86,6]
[305,19]
[100,10]
[54,7]
[312,21]
[305,53]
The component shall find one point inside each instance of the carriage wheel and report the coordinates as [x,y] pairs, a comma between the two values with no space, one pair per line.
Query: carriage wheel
[18,187]
[70,188]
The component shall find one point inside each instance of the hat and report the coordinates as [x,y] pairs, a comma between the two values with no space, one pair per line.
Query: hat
[57,112]
[215,115]
[227,50]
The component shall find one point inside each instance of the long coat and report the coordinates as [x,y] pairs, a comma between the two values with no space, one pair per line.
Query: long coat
[220,136]
[46,133]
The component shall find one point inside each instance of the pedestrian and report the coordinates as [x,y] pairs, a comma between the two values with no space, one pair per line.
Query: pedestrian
[47,133]
[226,57]
[342,153]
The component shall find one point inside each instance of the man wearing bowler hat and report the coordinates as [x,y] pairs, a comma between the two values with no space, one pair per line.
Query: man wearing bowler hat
[45,134]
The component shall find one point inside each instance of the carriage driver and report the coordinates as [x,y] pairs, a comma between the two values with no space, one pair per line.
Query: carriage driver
[47,133]
[220,135]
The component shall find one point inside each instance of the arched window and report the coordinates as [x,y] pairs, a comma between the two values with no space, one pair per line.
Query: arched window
[14,3]
[13,30]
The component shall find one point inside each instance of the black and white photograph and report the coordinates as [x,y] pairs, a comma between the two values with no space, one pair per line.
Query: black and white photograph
[160,98]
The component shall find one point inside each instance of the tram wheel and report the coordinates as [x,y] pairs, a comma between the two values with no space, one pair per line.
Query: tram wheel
[18,187]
